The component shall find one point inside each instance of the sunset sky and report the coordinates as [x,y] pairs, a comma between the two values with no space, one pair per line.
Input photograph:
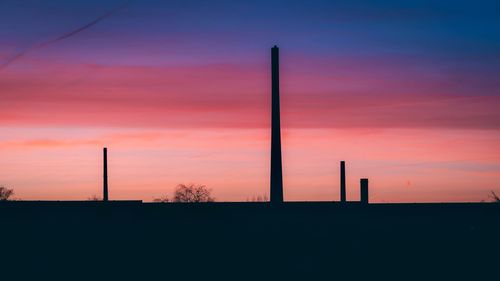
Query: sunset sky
[406,92]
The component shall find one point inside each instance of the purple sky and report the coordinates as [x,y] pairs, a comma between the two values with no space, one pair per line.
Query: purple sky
[407,92]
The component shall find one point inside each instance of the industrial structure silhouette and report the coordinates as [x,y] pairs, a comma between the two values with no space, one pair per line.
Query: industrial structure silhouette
[276,179]
[267,240]
[276,165]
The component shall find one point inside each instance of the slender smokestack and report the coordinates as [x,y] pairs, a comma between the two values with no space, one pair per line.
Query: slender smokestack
[276,167]
[105,175]
[364,191]
[342,182]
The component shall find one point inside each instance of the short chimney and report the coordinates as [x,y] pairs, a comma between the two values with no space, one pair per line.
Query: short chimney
[364,191]
[342,182]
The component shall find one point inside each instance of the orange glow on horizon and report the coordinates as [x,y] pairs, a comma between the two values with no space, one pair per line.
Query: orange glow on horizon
[403,165]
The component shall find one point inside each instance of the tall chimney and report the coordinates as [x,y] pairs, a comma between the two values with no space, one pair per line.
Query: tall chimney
[364,191]
[276,167]
[105,175]
[342,182]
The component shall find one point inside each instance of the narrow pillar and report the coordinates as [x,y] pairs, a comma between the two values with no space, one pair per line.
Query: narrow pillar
[342,182]
[276,165]
[105,175]
[364,191]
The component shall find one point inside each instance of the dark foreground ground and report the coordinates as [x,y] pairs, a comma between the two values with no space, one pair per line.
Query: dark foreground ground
[249,240]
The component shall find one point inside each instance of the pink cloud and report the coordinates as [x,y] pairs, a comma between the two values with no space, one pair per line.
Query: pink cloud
[331,94]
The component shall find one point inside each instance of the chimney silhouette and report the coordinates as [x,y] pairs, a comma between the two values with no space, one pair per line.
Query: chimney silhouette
[342,182]
[105,175]
[276,167]
[364,191]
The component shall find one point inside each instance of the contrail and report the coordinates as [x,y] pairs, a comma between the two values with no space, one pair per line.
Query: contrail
[76,31]
[20,54]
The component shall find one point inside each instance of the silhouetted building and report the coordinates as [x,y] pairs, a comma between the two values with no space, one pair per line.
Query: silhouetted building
[276,165]
[342,182]
[364,191]
[105,175]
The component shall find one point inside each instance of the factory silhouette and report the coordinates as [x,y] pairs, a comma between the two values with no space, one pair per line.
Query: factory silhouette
[276,178]
[112,239]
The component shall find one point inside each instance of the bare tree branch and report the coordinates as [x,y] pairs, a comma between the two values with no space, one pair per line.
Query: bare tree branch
[5,193]
[495,197]
[163,199]
[94,198]
[192,194]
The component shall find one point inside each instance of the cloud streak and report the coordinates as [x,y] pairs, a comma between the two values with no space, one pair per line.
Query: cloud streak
[237,96]
[13,58]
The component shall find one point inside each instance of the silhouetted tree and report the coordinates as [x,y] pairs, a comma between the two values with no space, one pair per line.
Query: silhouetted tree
[192,194]
[94,198]
[495,197]
[5,193]
[259,198]
[163,199]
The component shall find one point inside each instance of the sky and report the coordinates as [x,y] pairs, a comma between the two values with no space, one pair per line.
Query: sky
[406,92]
